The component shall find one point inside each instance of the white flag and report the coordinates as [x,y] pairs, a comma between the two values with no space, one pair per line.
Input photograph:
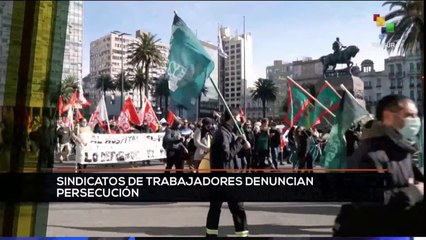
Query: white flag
[220,46]
[101,110]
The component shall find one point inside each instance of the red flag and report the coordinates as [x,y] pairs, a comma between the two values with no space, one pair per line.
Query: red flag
[78,116]
[123,122]
[131,113]
[150,117]
[81,99]
[71,102]
[170,118]
[60,105]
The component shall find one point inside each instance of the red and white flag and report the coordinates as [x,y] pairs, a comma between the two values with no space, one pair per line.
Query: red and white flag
[60,105]
[100,114]
[150,117]
[131,113]
[71,103]
[81,99]
[123,122]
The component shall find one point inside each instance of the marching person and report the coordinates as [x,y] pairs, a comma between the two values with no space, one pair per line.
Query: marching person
[389,143]
[225,147]
[173,144]
[64,133]
[202,141]
[262,145]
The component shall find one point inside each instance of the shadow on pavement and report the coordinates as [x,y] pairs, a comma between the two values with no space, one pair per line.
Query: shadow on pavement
[320,210]
[264,229]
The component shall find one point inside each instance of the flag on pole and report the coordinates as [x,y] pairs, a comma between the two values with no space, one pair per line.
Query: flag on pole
[170,118]
[131,113]
[150,117]
[308,118]
[81,99]
[329,97]
[123,122]
[349,113]
[297,103]
[189,65]
[70,117]
[60,105]
[78,115]
[220,50]
[71,103]
[100,114]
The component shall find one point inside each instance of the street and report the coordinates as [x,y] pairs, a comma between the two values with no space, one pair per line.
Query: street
[185,219]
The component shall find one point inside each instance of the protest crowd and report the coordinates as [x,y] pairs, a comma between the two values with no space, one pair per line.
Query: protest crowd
[388,140]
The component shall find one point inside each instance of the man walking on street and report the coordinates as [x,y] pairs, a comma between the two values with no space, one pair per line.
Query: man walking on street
[225,147]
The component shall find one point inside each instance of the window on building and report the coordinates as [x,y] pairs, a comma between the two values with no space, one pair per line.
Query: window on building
[399,67]
[392,82]
[418,66]
[399,92]
[238,50]
[400,82]
[379,82]
[412,81]
[378,96]
[412,95]
[391,68]
[232,46]
[411,66]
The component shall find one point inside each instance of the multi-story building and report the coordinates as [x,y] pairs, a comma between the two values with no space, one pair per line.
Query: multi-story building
[400,76]
[73,55]
[6,8]
[254,110]
[278,74]
[307,71]
[106,56]
[210,101]
[238,65]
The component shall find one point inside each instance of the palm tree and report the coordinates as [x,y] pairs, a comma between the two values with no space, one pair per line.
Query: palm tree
[266,91]
[68,86]
[144,54]
[139,81]
[162,90]
[105,84]
[409,25]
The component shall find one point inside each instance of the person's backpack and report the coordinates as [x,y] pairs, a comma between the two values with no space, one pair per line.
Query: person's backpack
[262,141]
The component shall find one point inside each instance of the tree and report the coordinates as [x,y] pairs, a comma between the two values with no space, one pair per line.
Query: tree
[264,90]
[409,25]
[139,82]
[105,84]
[144,54]
[68,86]
[162,90]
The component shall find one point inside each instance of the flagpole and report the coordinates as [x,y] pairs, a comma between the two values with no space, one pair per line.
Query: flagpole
[244,50]
[307,93]
[332,88]
[226,106]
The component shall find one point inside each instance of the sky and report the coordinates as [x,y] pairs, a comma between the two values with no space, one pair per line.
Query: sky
[281,30]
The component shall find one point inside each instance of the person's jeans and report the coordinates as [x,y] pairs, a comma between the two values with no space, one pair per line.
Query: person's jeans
[274,156]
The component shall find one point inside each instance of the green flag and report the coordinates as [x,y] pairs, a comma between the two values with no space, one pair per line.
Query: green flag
[298,100]
[189,65]
[329,98]
[309,117]
[349,112]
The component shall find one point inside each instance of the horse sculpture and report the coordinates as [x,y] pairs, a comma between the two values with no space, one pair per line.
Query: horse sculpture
[341,57]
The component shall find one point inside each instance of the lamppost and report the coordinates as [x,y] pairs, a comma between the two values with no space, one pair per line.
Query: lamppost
[121,34]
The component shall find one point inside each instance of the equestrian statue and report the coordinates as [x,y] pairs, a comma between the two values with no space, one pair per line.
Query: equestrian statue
[339,56]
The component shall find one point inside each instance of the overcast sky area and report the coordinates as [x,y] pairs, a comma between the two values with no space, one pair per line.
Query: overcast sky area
[286,30]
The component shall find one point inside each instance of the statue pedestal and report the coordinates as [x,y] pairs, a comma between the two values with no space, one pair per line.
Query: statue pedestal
[353,83]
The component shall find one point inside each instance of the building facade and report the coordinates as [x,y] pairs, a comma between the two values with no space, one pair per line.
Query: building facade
[210,101]
[400,76]
[278,73]
[73,56]
[239,63]
[106,56]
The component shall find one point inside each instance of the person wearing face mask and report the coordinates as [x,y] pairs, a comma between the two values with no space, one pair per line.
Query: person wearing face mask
[389,142]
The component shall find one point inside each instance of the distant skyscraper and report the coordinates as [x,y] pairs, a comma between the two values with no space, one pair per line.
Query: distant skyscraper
[73,56]
[233,67]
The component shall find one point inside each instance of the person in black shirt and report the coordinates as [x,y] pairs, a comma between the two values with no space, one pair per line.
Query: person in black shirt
[225,147]
[275,144]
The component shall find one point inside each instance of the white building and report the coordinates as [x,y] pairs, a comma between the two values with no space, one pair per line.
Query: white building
[401,76]
[73,55]
[278,74]
[106,55]
[238,64]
